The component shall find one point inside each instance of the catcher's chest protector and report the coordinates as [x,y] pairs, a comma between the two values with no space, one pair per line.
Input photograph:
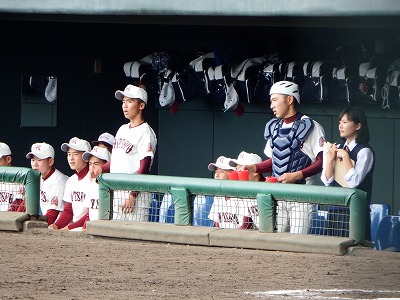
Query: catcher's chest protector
[286,145]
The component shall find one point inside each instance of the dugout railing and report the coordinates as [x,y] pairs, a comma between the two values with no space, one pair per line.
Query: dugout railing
[28,178]
[266,194]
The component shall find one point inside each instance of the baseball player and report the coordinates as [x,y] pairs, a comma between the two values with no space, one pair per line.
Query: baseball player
[294,147]
[224,212]
[52,181]
[96,159]
[202,204]
[105,140]
[11,194]
[134,149]
[76,187]
[250,219]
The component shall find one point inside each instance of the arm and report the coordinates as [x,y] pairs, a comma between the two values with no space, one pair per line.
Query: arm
[106,167]
[330,161]
[311,170]
[77,224]
[356,174]
[264,167]
[51,215]
[130,203]
[21,207]
[65,217]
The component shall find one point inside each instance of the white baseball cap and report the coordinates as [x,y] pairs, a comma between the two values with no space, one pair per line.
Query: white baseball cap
[99,152]
[245,158]
[41,151]
[105,138]
[221,163]
[4,150]
[76,144]
[133,92]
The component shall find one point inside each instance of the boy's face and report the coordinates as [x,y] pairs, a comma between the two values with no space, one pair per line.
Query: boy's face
[132,107]
[95,164]
[75,160]
[42,165]
[221,174]
[280,105]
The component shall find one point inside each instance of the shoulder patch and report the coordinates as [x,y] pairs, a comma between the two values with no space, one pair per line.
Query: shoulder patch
[321,141]
[54,201]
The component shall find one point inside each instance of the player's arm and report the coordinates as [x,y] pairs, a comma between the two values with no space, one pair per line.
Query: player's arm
[311,170]
[21,207]
[77,224]
[264,167]
[52,215]
[65,217]
[130,202]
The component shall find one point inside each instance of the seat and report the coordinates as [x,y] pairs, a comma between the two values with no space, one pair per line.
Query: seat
[378,211]
[388,235]
[319,221]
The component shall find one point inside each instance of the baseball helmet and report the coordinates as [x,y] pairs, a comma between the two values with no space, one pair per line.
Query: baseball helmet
[286,88]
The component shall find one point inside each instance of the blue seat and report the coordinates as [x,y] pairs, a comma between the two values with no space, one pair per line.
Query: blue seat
[319,221]
[388,235]
[378,211]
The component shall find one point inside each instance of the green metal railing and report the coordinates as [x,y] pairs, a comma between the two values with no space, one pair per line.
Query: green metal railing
[266,194]
[30,179]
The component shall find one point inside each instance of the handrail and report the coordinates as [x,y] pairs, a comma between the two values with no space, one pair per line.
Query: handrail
[353,198]
[30,179]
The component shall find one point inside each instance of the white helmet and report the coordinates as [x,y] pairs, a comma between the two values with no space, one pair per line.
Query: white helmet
[286,88]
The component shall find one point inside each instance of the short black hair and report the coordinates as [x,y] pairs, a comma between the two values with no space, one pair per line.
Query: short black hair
[357,116]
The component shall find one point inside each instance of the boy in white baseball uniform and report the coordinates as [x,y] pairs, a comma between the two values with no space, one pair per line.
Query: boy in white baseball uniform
[76,187]
[202,204]
[11,194]
[250,219]
[96,159]
[52,181]
[134,149]
[226,212]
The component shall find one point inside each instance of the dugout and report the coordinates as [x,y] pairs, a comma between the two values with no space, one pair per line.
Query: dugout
[69,40]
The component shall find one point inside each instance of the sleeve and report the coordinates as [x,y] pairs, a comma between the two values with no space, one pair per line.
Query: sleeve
[265,166]
[317,139]
[79,223]
[356,175]
[21,207]
[145,146]
[106,167]
[65,217]
[144,165]
[314,168]
[52,215]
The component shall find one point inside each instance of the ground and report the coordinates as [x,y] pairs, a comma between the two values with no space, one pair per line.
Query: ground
[48,264]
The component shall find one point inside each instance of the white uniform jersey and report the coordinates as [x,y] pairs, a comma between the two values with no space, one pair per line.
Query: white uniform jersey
[227,212]
[251,210]
[140,212]
[313,144]
[8,193]
[76,192]
[132,145]
[92,200]
[52,192]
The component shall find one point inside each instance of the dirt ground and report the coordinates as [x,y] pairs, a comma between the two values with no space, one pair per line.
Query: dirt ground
[46,264]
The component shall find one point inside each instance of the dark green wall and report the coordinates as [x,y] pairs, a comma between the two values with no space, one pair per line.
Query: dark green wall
[200,131]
